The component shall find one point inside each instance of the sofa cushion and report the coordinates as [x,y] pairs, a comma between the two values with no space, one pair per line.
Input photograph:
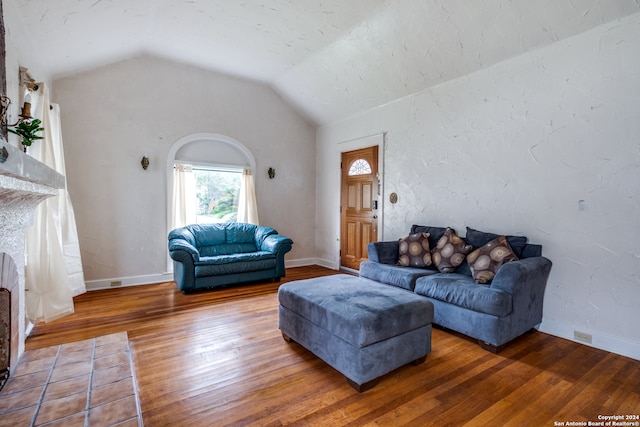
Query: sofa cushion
[227,249]
[461,290]
[246,233]
[401,277]
[414,251]
[207,234]
[477,239]
[360,311]
[484,262]
[234,263]
[383,252]
[435,233]
[449,252]
[223,239]
[236,257]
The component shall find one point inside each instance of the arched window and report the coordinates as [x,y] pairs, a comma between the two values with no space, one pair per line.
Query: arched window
[210,180]
[360,167]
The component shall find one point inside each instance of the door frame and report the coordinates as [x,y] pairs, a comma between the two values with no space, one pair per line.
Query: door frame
[378,139]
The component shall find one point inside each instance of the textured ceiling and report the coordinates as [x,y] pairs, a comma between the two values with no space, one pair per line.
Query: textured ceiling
[330,59]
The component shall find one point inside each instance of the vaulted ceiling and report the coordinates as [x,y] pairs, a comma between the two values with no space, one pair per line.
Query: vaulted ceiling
[330,58]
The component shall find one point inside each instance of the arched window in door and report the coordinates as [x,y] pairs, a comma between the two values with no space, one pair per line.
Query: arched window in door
[360,167]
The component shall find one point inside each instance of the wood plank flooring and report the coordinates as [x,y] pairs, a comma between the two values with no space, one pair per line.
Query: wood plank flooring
[218,359]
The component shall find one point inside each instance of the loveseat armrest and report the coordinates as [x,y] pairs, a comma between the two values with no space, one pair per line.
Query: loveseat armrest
[384,252]
[278,245]
[179,248]
[276,242]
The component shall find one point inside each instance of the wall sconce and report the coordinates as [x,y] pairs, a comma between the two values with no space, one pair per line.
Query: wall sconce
[24,116]
[144,162]
[272,173]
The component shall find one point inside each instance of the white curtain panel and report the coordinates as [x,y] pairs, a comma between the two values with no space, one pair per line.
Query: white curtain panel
[68,227]
[54,272]
[247,205]
[183,196]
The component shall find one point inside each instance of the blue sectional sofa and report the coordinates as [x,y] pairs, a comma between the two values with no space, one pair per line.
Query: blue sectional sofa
[216,255]
[493,313]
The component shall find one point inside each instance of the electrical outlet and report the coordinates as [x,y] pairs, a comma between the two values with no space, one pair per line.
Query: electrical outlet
[116,283]
[582,337]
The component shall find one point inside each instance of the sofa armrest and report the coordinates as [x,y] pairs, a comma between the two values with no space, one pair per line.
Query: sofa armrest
[261,233]
[279,246]
[525,274]
[525,280]
[275,242]
[178,249]
[384,252]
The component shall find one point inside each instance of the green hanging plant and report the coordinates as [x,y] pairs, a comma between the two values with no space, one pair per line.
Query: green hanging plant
[28,130]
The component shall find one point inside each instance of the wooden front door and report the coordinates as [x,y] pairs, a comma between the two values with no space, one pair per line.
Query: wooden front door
[359,205]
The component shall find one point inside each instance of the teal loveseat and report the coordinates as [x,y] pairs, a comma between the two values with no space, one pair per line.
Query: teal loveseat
[209,256]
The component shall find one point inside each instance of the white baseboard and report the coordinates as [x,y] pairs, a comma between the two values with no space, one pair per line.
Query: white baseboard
[94,285]
[29,327]
[601,341]
[311,261]
[327,264]
[302,262]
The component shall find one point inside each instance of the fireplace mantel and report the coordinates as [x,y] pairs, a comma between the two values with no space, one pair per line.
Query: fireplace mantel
[24,183]
[17,166]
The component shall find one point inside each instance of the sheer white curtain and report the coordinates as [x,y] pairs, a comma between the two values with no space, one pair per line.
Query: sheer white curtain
[54,272]
[183,196]
[247,205]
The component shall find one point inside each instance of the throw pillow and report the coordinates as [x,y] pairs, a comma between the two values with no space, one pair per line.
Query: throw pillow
[435,232]
[479,238]
[449,252]
[484,262]
[414,251]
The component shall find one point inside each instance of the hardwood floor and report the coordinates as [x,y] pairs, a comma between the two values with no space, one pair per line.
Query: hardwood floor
[217,359]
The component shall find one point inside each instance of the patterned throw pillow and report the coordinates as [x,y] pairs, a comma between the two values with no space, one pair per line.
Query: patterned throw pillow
[478,239]
[414,251]
[484,262]
[435,232]
[449,252]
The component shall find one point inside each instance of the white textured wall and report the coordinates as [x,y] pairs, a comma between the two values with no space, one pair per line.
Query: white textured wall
[545,145]
[114,115]
[19,53]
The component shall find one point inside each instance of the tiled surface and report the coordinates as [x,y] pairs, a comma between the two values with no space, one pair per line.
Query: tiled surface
[86,383]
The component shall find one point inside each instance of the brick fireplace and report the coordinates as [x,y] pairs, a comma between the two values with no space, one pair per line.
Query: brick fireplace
[24,183]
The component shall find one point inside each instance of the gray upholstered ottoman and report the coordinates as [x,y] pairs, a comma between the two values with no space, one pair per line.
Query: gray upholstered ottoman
[362,328]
